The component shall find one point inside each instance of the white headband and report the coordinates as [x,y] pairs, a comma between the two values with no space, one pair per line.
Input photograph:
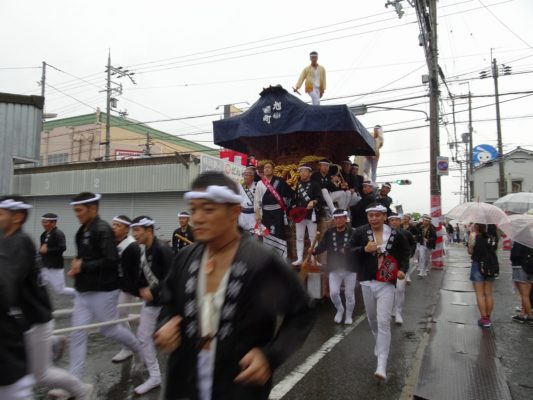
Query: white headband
[91,200]
[343,214]
[122,221]
[48,219]
[144,222]
[305,167]
[395,217]
[12,205]
[181,215]
[216,194]
[378,208]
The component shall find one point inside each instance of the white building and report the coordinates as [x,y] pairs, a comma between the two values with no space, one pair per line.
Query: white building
[518,168]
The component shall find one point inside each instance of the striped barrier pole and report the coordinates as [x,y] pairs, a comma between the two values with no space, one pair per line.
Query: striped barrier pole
[437,254]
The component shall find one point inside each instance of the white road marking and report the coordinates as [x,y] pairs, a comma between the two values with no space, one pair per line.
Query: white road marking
[283,387]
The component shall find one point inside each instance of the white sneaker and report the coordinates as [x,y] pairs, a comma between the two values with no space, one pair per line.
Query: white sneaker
[399,319]
[348,320]
[122,356]
[89,392]
[380,374]
[338,317]
[408,279]
[59,394]
[150,384]
[297,263]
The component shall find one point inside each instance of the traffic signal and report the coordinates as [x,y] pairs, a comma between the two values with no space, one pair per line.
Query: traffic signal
[402,181]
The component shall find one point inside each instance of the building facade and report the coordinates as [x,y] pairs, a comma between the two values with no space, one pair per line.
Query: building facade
[518,168]
[82,139]
[151,186]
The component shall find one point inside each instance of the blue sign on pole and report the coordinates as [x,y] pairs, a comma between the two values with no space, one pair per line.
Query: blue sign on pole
[483,153]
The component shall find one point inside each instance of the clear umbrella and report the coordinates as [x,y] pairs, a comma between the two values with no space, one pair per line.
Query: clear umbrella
[476,212]
[519,203]
[519,228]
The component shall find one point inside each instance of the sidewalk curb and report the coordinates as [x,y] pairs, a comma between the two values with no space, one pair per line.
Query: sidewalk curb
[412,377]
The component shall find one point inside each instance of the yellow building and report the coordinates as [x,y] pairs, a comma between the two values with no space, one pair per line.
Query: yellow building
[82,138]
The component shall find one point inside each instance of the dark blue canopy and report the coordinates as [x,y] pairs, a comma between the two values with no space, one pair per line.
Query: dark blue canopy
[278,116]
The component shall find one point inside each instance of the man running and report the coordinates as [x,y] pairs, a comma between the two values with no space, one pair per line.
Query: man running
[382,256]
[53,245]
[95,273]
[224,297]
[156,258]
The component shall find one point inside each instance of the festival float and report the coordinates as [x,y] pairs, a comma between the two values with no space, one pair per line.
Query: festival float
[282,128]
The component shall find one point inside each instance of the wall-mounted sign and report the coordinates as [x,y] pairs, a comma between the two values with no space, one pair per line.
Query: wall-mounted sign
[443,165]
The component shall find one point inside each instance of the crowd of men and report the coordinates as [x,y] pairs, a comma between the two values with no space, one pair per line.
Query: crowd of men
[207,298]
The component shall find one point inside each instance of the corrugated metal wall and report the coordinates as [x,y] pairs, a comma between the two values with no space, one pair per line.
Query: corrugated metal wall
[163,207]
[20,128]
[134,179]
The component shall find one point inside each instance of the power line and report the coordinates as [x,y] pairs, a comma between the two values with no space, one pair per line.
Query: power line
[72,97]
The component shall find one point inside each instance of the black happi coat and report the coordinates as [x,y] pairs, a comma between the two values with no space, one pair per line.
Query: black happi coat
[97,250]
[159,258]
[56,245]
[323,181]
[367,263]
[313,192]
[177,243]
[129,269]
[23,302]
[359,210]
[261,286]
[411,240]
[430,235]
[334,242]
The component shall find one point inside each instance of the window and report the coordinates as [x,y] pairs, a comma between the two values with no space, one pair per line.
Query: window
[59,158]
[516,186]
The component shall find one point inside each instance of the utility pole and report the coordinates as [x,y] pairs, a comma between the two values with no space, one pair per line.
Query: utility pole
[470,168]
[118,72]
[148,145]
[502,186]
[43,79]
[108,109]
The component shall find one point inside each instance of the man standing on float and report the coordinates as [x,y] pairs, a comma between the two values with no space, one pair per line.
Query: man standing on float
[314,76]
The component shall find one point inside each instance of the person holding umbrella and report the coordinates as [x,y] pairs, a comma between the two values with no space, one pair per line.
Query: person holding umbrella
[482,272]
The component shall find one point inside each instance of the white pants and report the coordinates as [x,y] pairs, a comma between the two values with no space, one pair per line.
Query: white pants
[247,222]
[335,281]
[39,352]
[145,333]
[315,96]
[424,256]
[55,277]
[340,196]
[379,298]
[412,266]
[370,167]
[20,390]
[300,235]
[353,198]
[205,375]
[96,307]
[399,296]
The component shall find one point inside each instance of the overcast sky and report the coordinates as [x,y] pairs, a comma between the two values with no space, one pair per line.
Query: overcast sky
[190,57]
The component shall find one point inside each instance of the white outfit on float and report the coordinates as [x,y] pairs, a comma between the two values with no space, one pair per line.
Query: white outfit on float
[301,226]
[247,217]
[379,299]
[39,353]
[315,93]
[210,305]
[55,278]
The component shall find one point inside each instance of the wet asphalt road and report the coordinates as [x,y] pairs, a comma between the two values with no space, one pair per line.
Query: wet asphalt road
[346,372]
